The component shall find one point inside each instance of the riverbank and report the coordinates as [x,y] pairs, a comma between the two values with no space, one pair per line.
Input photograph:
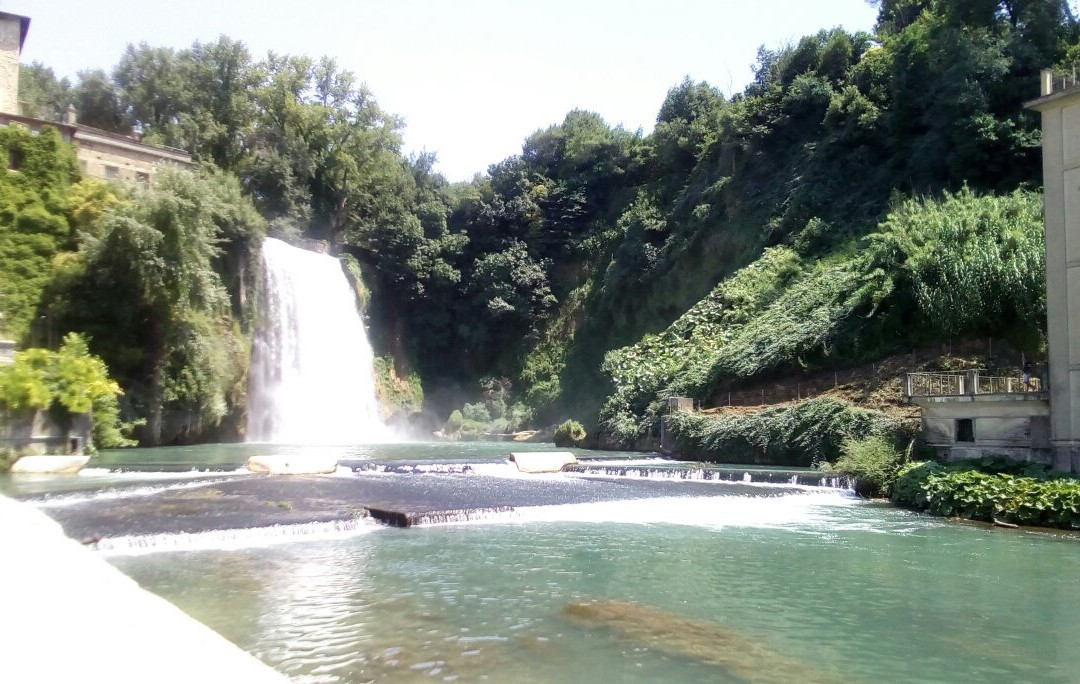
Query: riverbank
[70,616]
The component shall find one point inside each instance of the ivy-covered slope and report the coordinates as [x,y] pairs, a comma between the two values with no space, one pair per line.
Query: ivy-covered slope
[960,266]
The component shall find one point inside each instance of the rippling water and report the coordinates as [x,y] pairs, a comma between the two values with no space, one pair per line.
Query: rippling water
[799,585]
[852,592]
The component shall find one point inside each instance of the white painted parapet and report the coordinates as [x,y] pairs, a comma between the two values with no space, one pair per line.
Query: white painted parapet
[69,616]
[542,461]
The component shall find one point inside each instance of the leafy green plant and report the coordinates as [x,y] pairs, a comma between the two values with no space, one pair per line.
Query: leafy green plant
[872,463]
[569,433]
[396,393]
[967,490]
[34,222]
[453,423]
[477,412]
[70,379]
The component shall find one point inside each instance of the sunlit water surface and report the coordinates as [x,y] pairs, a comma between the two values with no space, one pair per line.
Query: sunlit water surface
[808,586]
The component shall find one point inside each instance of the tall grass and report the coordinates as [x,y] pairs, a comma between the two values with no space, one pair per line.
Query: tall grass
[803,434]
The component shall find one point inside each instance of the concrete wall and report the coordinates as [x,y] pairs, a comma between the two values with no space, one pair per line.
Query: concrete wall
[1016,427]
[1061,179]
[113,159]
[40,433]
[10,38]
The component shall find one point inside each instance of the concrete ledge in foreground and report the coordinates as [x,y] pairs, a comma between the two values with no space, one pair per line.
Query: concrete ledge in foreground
[69,616]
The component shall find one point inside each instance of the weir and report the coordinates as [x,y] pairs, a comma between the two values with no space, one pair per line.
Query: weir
[312,367]
[257,509]
[714,474]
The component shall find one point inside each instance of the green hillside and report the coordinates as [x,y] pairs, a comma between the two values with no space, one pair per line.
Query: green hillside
[864,193]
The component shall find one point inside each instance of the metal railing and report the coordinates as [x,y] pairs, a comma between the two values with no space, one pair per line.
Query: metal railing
[994,384]
[933,384]
[966,382]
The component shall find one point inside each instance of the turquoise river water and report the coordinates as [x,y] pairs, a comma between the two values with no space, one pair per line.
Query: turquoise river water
[712,584]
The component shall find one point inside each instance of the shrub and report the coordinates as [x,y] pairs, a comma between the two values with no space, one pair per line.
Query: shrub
[70,379]
[872,462]
[453,423]
[806,433]
[476,412]
[570,433]
[968,491]
[396,392]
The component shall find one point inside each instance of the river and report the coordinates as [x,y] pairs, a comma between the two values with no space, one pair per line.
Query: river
[714,582]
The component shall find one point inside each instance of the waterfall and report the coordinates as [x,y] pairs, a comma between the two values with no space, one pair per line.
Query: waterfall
[312,368]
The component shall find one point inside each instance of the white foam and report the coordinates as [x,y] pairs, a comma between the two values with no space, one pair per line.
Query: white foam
[60,500]
[246,538]
[706,476]
[810,510]
[624,462]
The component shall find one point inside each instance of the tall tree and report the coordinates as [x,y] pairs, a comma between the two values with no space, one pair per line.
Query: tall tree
[97,103]
[41,93]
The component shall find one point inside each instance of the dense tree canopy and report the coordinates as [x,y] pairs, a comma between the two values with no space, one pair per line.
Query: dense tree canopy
[590,238]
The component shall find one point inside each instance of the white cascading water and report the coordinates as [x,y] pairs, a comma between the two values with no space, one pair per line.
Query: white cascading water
[312,369]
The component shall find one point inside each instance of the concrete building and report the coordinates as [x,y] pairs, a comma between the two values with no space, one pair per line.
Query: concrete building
[101,154]
[968,415]
[1059,105]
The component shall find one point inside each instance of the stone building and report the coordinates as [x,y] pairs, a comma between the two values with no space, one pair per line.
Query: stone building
[101,154]
[13,30]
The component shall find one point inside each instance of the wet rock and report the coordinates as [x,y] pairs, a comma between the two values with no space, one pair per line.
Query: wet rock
[700,640]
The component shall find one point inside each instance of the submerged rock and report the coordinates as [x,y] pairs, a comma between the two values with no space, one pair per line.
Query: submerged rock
[700,640]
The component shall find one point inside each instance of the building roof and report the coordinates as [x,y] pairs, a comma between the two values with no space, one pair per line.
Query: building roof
[83,131]
[78,132]
[24,25]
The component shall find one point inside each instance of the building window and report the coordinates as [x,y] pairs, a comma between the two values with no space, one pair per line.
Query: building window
[965,430]
[112,172]
[142,178]
[14,159]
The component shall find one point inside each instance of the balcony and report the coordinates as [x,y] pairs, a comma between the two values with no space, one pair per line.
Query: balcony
[971,385]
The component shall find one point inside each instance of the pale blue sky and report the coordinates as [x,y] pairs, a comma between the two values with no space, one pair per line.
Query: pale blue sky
[472,78]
